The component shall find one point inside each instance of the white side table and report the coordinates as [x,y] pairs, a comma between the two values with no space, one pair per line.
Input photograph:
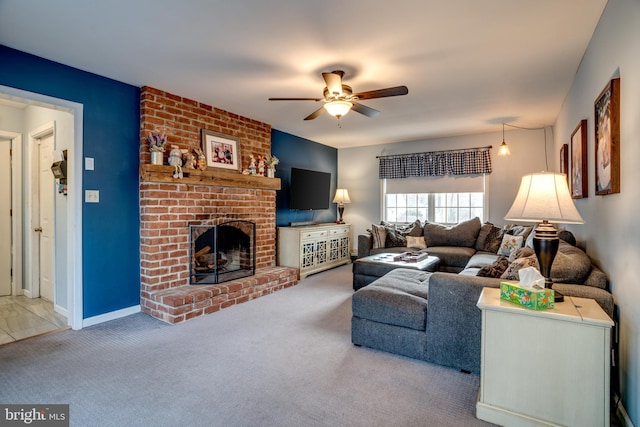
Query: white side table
[546,367]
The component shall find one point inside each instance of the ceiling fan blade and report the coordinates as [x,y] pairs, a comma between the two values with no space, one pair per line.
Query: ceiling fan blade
[383,93]
[315,113]
[334,82]
[363,109]
[295,99]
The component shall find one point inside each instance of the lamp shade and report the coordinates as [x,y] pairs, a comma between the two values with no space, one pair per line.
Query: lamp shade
[544,196]
[338,108]
[342,196]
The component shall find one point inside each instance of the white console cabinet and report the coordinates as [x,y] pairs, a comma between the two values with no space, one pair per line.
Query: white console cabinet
[546,367]
[314,248]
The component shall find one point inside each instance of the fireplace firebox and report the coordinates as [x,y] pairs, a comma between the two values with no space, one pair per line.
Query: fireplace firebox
[222,252]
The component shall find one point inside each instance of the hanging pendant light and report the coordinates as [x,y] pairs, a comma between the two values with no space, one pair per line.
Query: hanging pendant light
[504,148]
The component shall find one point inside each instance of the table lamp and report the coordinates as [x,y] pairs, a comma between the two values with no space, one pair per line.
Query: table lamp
[545,197]
[342,197]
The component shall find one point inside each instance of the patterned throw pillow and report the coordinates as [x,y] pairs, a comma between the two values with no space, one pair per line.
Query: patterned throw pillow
[379,234]
[496,269]
[493,240]
[394,238]
[512,272]
[509,244]
[416,242]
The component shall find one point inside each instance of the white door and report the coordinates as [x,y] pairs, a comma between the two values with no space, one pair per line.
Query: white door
[5,217]
[46,191]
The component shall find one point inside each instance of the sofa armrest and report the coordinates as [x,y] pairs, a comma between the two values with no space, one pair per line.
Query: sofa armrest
[454,322]
[365,243]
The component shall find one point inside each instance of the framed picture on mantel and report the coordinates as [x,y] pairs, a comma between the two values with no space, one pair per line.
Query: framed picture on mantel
[221,151]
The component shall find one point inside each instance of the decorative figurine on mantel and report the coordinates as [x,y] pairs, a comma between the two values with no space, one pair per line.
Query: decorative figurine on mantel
[175,160]
[157,143]
[189,159]
[261,164]
[201,163]
[252,165]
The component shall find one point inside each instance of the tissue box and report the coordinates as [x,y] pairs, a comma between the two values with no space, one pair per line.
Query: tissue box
[536,299]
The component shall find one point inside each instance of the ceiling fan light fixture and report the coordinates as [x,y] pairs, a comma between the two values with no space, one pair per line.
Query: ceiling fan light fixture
[338,108]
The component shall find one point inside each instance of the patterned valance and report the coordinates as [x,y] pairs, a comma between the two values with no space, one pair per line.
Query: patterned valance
[469,161]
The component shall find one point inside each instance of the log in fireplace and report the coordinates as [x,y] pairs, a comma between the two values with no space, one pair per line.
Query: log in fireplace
[222,252]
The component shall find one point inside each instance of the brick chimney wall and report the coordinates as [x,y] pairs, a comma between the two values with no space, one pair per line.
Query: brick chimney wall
[166,209]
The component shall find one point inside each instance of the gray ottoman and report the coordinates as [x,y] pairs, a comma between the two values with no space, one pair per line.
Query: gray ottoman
[391,313]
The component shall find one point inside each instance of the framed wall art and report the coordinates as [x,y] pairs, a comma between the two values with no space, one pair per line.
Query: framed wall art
[579,171]
[564,160]
[221,151]
[607,139]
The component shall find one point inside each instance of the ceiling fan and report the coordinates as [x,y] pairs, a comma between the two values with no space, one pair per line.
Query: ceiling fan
[339,98]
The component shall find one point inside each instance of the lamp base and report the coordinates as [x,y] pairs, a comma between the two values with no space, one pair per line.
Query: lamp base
[340,212]
[557,296]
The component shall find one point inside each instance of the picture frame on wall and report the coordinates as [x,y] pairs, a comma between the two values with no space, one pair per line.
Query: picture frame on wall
[564,160]
[579,171]
[607,139]
[221,151]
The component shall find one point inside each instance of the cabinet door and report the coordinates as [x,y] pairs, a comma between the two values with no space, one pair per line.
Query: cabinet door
[307,254]
[321,252]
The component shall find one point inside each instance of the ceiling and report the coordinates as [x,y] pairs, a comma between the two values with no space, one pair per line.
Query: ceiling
[469,65]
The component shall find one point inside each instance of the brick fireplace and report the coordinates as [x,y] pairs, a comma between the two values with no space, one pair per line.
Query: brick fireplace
[168,206]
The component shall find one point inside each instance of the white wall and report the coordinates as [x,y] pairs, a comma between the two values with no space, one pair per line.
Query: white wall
[358,170]
[612,231]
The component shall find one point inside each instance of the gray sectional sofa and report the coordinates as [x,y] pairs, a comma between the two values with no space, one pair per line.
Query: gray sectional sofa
[433,316]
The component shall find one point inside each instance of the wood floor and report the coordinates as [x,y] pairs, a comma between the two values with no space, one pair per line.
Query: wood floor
[22,317]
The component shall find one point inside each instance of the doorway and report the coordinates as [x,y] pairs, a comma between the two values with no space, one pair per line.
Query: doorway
[47,224]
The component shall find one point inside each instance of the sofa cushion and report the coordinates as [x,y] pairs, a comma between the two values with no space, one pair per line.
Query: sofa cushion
[463,234]
[395,239]
[398,298]
[482,259]
[571,265]
[451,256]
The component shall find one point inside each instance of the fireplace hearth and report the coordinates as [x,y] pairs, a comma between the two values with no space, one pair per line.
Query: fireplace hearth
[222,252]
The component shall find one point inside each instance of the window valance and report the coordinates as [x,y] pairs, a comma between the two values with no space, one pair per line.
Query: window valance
[468,161]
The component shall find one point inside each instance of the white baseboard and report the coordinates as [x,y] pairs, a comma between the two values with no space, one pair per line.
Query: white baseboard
[90,321]
[61,310]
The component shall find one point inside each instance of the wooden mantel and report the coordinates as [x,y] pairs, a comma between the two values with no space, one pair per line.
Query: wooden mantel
[210,177]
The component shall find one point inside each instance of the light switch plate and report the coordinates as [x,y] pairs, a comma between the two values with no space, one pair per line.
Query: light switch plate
[91,196]
[88,163]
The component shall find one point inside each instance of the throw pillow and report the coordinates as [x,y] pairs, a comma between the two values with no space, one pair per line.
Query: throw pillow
[416,242]
[509,244]
[523,252]
[496,269]
[463,234]
[511,273]
[394,239]
[493,241]
[482,235]
[379,234]
[413,229]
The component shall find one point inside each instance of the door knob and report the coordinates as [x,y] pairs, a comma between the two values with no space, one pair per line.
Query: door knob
[38,229]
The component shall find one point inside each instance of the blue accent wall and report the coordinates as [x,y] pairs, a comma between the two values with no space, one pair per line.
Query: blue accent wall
[296,152]
[111,228]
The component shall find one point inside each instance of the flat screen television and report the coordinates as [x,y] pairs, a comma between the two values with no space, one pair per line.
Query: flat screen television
[309,190]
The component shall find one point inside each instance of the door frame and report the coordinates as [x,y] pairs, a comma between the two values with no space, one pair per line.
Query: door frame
[74,197]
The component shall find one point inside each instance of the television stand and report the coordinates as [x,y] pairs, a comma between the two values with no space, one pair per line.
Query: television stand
[314,248]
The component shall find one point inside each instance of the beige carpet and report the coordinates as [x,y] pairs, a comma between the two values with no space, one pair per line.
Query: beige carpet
[285,359]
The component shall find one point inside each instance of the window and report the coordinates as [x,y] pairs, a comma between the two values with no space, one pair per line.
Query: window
[445,200]
[443,208]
